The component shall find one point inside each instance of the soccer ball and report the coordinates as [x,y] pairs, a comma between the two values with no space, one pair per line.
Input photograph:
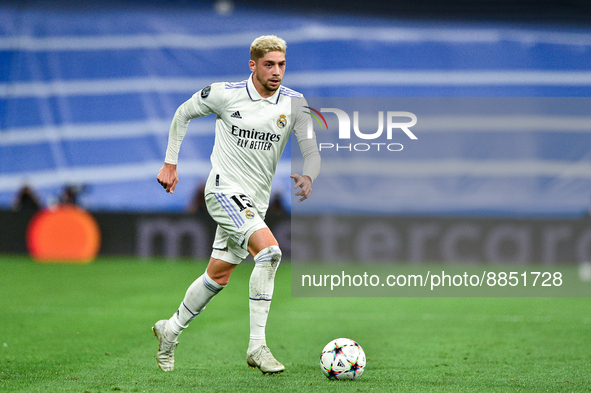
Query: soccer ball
[342,358]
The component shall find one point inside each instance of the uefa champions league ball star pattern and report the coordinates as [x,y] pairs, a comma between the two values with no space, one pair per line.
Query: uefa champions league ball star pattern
[342,359]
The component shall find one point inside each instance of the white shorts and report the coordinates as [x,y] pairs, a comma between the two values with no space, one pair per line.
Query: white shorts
[237,220]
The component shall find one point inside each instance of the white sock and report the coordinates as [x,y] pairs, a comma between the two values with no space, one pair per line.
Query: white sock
[196,299]
[262,281]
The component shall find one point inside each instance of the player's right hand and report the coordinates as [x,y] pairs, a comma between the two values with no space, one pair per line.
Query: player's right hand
[168,177]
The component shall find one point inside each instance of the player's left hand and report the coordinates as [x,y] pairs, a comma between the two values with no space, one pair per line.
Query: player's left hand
[305,185]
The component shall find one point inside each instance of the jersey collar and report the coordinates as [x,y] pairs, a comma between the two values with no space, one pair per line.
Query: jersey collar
[255,96]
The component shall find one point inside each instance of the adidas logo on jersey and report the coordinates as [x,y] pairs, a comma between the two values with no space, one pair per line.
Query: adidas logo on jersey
[236,115]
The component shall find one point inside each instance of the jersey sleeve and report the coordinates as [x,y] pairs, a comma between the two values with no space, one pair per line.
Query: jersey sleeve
[306,138]
[302,122]
[206,101]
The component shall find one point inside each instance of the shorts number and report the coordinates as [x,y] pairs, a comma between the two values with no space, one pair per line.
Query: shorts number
[242,201]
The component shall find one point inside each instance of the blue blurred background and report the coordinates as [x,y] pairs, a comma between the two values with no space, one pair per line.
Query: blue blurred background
[87,91]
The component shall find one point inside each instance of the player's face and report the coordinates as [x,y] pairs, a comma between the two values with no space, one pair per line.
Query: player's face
[268,73]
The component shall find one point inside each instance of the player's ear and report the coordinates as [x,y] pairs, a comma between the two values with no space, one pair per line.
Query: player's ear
[252,65]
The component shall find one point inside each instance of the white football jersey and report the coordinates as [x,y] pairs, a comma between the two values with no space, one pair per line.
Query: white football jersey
[250,135]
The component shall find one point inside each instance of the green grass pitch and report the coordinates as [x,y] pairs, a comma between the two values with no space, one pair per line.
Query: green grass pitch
[87,329]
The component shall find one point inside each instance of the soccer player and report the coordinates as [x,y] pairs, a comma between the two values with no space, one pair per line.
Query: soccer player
[255,118]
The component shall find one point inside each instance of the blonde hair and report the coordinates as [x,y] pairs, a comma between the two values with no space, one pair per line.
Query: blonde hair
[265,44]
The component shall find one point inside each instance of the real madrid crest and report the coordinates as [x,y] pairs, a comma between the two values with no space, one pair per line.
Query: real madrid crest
[282,121]
[249,214]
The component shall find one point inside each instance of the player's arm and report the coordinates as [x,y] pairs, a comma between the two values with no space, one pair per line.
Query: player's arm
[201,104]
[309,149]
[168,176]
